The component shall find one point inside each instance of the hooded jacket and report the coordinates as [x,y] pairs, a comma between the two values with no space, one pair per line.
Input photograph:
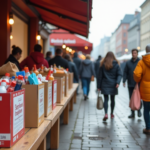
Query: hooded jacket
[34,58]
[12,59]
[142,75]
[128,72]
[108,79]
[77,61]
[86,69]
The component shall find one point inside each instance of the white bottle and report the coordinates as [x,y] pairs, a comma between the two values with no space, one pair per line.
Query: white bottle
[3,87]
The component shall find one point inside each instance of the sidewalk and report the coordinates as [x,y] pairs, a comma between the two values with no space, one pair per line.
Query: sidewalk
[120,133]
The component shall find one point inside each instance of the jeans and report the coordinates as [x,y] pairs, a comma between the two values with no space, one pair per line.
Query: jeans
[130,94]
[106,99]
[147,114]
[86,85]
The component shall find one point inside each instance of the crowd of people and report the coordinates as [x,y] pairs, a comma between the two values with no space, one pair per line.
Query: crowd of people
[107,71]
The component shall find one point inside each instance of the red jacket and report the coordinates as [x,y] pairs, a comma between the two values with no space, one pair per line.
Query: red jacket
[34,58]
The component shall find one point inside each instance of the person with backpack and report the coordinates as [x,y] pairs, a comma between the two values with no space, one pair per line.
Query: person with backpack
[108,80]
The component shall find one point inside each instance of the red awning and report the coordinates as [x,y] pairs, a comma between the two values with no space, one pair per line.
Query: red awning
[60,37]
[69,15]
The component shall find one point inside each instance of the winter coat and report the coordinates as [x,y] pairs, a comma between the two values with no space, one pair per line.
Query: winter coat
[97,65]
[59,61]
[77,61]
[108,79]
[86,69]
[34,58]
[142,75]
[73,69]
[12,59]
[128,72]
[48,59]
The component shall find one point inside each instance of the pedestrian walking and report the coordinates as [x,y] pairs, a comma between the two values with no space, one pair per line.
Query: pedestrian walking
[109,78]
[72,68]
[86,71]
[128,75]
[48,56]
[142,76]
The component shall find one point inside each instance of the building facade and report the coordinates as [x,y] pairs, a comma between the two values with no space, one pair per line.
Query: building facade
[134,33]
[145,24]
[122,35]
[104,46]
[113,43]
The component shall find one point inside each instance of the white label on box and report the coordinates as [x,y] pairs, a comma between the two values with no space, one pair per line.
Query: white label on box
[5,137]
[18,114]
[55,93]
[49,96]
[41,102]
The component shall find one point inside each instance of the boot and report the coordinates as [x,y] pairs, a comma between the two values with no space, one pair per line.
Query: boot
[139,113]
[132,115]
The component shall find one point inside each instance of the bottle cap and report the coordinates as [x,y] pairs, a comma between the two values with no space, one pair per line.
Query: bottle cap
[20,77]
[7,75]
[13,83]
[26,69]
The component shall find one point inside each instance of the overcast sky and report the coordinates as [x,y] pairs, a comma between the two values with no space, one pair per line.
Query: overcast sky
[107,15]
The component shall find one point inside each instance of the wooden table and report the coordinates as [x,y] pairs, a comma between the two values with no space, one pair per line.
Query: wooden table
[35,138]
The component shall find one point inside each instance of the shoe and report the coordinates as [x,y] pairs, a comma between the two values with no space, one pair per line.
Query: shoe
[112,116]
[131,116]
[105,117]
[85,97]
[145,131]
[139,113]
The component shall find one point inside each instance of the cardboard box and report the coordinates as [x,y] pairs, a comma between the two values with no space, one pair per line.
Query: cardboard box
[60,88]
[71,80]
[66,75]
[12,116]
[34,105]
[47,98]
[54,94]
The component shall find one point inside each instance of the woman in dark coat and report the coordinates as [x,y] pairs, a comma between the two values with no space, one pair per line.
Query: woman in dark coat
[72,68]
[109,78]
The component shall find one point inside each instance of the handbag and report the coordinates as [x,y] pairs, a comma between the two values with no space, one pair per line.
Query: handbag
[135,102]
[100,104]
[92,78]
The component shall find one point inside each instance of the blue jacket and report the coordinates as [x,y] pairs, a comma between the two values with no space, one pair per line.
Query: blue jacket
[87,69]
[108,79]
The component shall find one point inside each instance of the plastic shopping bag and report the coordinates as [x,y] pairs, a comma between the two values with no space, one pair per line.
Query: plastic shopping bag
[99,102]
[135,102]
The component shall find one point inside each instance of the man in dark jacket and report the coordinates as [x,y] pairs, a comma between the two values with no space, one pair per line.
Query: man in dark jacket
[15,56]
[97,65]
[77,61]
[36,58]
[128,75]
[58,60]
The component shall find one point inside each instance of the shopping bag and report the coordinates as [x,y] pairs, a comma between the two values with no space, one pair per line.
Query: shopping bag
[92,78]
[10,68]
[100,104]
[135,102]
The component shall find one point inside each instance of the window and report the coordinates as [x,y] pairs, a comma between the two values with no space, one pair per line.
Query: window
[124,34]
[124,42]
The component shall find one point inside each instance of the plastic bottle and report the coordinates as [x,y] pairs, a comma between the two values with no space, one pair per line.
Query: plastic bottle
[6,77]
[3,87]
[19,83]
[42,69]
[26,80]
[35,70]
[48,75]
[27,73]
[12,86]
[51,78]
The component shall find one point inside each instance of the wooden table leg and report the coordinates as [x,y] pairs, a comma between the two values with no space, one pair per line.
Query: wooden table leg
[54,139]
[75,97]
[71,104]
[66,115]
[42,145]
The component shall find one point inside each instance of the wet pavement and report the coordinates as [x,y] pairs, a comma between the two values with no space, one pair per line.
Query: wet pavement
[87,131]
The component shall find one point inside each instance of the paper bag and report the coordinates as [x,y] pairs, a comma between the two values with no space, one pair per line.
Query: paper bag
[8,68]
